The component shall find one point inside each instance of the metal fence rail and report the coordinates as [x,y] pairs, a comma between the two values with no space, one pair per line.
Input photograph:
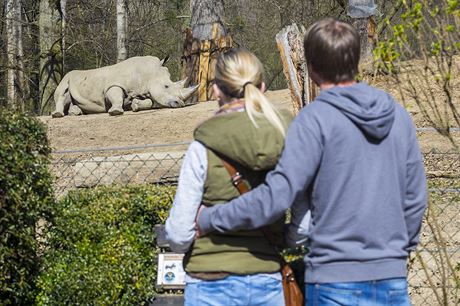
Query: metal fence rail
[161,164]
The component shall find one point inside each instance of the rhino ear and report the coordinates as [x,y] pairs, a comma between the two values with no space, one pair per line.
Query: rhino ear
[164,61]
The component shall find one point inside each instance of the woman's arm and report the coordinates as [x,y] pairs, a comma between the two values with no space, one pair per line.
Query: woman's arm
[297,230]
[180,225]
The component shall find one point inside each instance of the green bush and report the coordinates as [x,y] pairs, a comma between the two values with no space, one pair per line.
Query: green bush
[102,246]
[26,197]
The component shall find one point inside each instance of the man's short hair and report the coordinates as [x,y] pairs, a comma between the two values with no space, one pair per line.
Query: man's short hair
[332,48]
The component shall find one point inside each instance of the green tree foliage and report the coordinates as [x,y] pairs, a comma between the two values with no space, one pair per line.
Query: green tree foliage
[101,249]
[421,53]
[26,200]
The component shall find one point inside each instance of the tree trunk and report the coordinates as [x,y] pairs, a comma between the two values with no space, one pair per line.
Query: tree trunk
[50,53]
[122,25]
[63,4]
[204,41]
[23,88]
[204,14]
[362,12]
[11,50]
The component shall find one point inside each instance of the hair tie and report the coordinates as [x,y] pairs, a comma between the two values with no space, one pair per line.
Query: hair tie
[247,83]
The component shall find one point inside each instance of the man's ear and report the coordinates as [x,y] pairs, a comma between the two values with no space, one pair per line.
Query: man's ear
[314,76]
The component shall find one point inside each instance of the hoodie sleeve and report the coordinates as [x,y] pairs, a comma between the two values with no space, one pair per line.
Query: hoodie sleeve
[297,230]
[415,201]
[268,202]
[180,225]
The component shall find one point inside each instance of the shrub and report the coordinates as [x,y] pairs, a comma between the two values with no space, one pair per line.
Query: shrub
[25,198]
[101,248]
[421,53]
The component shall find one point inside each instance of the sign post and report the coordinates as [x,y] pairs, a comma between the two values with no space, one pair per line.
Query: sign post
[170,273]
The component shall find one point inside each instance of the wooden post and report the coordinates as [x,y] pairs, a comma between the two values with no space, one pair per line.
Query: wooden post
[290,45]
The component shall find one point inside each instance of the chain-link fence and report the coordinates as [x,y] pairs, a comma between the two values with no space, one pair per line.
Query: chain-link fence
[122,165]
[434,266]
[436,263]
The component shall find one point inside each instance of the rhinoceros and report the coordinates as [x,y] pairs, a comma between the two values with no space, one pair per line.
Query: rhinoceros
[137,83]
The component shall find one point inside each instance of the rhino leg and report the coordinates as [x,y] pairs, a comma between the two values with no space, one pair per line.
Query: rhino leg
[74,110]
[138,104]
[115,95]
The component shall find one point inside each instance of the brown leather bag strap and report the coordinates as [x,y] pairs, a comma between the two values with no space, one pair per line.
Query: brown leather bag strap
[237,178]
[240,184]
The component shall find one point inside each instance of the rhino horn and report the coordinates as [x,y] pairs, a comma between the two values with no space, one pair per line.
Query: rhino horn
[186,93]
[181,83]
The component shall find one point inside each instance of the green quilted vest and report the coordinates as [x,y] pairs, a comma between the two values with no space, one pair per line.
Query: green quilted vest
[253,151]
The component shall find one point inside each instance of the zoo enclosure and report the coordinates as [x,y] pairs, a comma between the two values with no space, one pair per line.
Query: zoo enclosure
[160,164]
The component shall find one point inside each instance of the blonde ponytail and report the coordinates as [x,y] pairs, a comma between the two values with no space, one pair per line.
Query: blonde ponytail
[258,105]
[239,75]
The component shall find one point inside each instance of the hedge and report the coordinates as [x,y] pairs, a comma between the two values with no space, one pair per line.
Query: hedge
[101,249]
[26,200]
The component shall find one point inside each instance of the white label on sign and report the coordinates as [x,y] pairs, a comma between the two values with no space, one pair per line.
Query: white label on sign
[171,274]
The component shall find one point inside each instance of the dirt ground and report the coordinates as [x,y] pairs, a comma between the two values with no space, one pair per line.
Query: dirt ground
[157,126]
[168,126]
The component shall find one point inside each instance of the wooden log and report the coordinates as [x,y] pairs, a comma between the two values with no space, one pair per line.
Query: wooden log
[290,45]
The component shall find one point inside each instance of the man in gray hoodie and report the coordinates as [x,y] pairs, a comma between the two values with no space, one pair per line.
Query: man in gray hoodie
[353,153]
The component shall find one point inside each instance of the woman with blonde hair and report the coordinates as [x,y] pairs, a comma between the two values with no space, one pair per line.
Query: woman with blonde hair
[242,267]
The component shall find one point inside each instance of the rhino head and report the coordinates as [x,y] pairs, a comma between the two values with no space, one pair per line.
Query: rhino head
[167,93]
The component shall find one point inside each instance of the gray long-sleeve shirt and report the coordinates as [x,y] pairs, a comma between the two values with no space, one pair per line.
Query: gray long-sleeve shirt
[355,154]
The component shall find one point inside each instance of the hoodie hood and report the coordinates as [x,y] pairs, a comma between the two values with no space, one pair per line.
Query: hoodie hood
[370,109]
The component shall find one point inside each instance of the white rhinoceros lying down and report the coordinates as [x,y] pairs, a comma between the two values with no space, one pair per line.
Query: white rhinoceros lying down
[137,83]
